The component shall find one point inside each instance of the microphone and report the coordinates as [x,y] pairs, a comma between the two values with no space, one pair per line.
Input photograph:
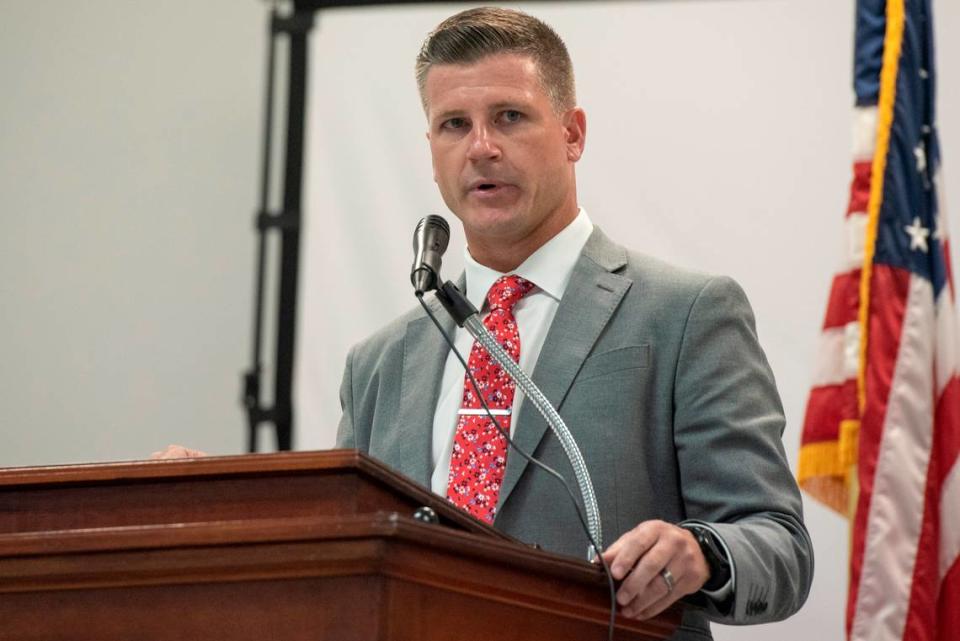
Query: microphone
[430,240]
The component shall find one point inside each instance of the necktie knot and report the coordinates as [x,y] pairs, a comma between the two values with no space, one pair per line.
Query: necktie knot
[506,291]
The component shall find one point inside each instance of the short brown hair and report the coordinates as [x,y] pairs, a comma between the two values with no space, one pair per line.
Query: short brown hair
[474,34]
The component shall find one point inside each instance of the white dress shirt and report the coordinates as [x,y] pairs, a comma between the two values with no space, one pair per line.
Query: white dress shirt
[550,269]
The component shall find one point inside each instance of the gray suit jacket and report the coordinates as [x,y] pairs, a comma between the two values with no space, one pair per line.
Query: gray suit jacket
[660,377]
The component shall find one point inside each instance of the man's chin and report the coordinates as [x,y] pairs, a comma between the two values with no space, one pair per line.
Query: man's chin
[490,222]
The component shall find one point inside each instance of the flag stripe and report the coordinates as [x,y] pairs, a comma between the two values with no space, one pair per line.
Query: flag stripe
[837,355]
[896,498]
[944,229]
[843,307]
[927,572]
[949,549]
[891,286]
[827,407]
[860,187]
[864,138]
[946,360]
[948,614]
[948,262]
[856,227]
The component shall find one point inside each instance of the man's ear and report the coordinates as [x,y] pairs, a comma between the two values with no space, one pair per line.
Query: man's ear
[575,131]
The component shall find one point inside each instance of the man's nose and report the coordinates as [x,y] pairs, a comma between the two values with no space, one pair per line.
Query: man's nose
[483,144]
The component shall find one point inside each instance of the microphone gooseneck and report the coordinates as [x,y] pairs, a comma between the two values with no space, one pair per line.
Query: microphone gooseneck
[430,240]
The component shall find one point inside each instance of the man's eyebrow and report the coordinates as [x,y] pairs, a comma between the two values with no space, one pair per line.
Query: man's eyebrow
[507,104]
[497,106]
[449,113]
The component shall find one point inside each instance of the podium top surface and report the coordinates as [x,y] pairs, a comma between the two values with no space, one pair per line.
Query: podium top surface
[206,466]
[282,485]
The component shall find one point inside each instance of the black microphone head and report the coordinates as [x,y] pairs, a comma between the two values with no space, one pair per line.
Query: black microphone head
[430,240]
[438,230]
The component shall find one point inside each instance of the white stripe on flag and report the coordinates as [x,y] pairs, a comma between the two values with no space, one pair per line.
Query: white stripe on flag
[946,355]
[864,133]
[949,520]
[942,227]
[856,227]
[838,355]
[896,505]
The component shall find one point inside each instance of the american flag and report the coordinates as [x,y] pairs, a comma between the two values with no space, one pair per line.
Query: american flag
[882,430]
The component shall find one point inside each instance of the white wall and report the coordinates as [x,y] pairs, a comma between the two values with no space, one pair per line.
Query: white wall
[129,169]
[129,138]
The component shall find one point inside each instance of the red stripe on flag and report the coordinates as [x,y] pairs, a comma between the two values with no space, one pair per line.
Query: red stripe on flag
[948,612]
[925,587]
[844,304]
[860,187]
[827,406]
[946,435]
[889,288]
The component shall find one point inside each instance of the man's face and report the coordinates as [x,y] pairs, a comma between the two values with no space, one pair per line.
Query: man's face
[502,157]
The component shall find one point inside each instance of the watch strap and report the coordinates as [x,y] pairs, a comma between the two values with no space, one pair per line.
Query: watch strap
[714,555]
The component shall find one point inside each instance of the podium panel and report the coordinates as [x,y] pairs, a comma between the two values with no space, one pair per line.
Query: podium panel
[301,546]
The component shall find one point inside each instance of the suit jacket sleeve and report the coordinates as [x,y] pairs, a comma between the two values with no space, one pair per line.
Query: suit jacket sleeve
[734,473]
[346,434]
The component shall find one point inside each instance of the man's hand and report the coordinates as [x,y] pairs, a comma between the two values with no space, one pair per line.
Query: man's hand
[177,451]
[661,563]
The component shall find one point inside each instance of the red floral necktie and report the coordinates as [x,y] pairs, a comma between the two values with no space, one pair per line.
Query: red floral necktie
[479,450]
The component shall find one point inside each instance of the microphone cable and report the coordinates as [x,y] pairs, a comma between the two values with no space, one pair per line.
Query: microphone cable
[543,466]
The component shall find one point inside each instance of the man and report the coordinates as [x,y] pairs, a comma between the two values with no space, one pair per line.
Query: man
[656,371]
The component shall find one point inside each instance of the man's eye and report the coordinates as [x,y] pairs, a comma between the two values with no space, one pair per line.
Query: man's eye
[512,115]
[453,123]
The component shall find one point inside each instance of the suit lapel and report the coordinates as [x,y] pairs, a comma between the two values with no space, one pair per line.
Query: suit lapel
[591,297]
[424,355]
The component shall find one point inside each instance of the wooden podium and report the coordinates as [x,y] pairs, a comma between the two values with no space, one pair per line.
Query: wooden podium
[293,546]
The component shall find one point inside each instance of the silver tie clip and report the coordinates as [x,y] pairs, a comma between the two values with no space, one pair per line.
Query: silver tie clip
[479,411]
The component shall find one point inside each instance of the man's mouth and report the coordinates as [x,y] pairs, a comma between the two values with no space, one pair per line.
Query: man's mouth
[483,186]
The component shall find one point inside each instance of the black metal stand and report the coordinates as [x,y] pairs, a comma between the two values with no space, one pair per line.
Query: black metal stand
[287,222]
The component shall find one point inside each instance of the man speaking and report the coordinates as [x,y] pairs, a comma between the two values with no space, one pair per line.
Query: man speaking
[657,371]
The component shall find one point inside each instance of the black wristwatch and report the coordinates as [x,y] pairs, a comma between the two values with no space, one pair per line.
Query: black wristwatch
[716,559]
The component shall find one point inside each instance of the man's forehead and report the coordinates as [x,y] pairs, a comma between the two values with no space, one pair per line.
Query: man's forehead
[502,66]
[500,74]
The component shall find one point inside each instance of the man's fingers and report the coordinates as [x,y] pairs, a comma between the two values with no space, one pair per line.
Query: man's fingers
[657,589]
[175,452]
[642,555]
[648,568]
[623,554]
[656,607]
[641,581]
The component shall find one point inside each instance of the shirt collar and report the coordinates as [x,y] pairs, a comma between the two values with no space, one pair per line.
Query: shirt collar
[549,268]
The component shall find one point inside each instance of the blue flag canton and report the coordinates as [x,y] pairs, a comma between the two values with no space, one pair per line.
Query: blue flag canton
[870,27]
[909,233]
